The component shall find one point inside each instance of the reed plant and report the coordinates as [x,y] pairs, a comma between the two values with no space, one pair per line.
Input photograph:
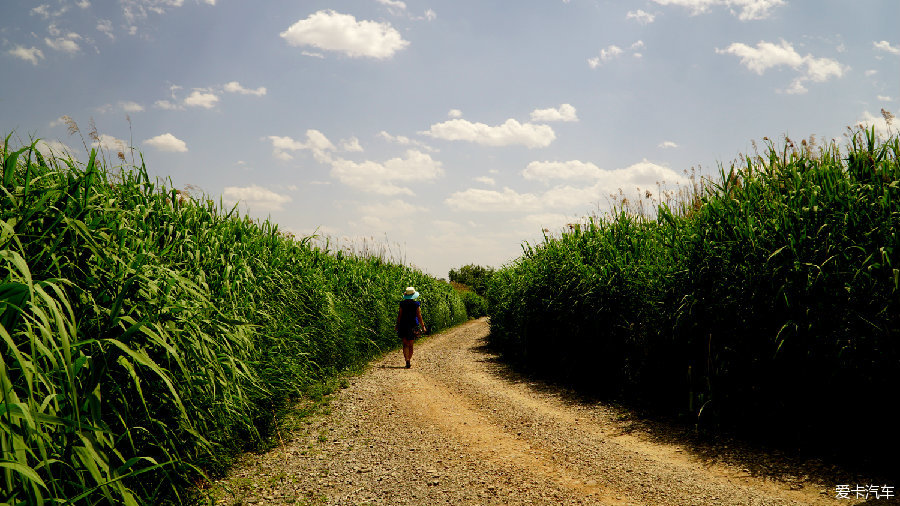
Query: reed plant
[149,334]
[765,301]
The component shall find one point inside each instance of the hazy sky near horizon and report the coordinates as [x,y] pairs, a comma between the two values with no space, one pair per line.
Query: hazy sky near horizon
[451,130]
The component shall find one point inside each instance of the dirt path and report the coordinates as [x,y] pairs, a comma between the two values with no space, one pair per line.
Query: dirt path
[459,429]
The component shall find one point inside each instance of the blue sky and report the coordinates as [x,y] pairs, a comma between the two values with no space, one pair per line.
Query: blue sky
[449,130]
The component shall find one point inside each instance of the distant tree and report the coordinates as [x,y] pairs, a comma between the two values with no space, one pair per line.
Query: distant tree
[473,276]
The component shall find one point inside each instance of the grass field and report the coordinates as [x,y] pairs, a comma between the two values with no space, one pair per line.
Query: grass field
[148,335]
[765,300]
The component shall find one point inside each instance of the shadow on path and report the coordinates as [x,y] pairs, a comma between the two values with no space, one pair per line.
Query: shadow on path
[753,457]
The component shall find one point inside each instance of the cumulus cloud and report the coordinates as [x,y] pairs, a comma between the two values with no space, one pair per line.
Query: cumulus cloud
[167,142]
[376,177]
[486,180]
[105,26]
[597,186]
[404,141]
[131,106]
[455,113]
[235,87]
[332,31]
[383,178]
[397,4]
[886,46]
[880,123]
[644,18]
[351,144]
[66,43]
[565,112]
[606,54]
[767,55]
[254,197]
[316,142]
[31,54]
[48,148]
[667,144]
[109,143]
[509,133]
[749,9]
[167,105]
[201,98]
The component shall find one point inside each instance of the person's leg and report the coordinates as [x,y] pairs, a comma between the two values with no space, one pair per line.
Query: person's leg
[407,350]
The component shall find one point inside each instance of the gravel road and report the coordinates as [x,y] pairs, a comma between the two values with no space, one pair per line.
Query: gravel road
[459,428]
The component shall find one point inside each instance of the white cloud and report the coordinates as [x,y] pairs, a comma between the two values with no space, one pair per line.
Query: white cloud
[109,143]
[667,144]
[870,73]
[486,180]
[600,185]
[255,197]
[767,55]
[57,148]
[796,88]
[130,106]
[399,139]
[333,31]
[42,10]
[509,133]
[201,98]
[105,26]
[66,43]
[565,113]
[644,18]
[455,113]
[235,87]
[405,141]
[316,142]
[884,98]
[167,142]
[430,15]
[31,54]
[606,54]
[886,46]
[167,105]
[382,178]
[572,169]
[84,4]
[351,144]
[869,120]
[138,10]
[749,9]
[313,54]
[397,4]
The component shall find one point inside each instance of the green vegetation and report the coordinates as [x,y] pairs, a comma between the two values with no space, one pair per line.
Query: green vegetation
[766,301]
[473,276]
[147,335]
[472,283]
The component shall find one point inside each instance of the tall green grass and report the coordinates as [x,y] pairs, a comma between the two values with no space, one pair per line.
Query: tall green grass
[766,301]
[148,335]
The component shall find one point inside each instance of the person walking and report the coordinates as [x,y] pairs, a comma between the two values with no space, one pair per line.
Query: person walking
[409,322]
